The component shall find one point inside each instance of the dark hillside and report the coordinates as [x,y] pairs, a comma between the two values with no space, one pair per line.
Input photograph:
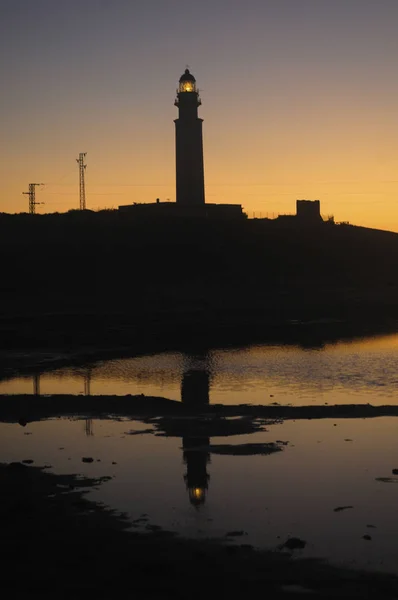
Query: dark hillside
[82,272]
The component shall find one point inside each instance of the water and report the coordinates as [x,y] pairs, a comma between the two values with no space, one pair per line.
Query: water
[360,371]
[290,493]
[326,463]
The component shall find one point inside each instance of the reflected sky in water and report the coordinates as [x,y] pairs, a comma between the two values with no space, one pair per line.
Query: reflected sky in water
[359,371]
[294,492]
[183,486]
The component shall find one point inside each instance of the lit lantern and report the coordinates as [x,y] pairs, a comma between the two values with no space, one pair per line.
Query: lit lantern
[187,82]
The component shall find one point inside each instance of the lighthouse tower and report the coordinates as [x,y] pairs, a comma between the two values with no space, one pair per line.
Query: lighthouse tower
[189,144]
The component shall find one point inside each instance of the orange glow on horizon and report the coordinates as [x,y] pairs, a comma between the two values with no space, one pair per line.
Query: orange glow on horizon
[265,168]
[297,103]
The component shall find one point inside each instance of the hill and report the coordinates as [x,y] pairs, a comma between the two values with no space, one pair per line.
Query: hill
[103,279]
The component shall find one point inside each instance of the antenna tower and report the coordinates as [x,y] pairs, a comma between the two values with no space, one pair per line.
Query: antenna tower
[32,197]
[82,168]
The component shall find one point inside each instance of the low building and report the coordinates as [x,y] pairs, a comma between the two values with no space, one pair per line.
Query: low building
[308,211]
[172,210]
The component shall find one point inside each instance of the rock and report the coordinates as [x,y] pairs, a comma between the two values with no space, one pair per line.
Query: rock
[235,533]
[294,544]
[367,537]
[23,422]
[339,508]
[87,459]
[395,471]
[28,461]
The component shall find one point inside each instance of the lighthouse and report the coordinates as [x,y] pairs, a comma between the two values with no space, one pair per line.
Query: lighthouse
[190,185]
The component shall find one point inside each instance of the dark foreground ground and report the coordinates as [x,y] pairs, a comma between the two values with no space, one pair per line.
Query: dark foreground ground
[56,543]
[78,288]
[85,286]
[23,408]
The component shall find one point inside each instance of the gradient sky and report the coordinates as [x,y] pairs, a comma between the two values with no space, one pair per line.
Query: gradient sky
[299,101]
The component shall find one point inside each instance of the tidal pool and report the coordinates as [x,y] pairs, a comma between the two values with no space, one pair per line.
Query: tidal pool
[262,500]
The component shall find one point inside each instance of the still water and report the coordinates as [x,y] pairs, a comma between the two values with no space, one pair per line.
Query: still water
[359,371]
[293,492]
[185,485]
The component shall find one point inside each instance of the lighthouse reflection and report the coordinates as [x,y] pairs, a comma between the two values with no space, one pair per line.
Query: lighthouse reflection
[195,387]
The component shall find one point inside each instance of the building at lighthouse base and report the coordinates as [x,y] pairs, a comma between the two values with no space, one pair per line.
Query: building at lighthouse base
[172,210]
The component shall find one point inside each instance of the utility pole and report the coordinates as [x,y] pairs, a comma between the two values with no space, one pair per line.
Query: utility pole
[32,197]
[82,168]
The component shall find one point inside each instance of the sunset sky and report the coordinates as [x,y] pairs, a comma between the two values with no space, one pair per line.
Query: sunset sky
[299,101]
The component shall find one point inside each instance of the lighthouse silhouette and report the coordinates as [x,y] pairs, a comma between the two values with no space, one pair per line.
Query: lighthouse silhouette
[190,186]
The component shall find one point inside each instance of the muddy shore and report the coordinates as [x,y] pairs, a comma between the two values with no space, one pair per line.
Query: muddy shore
[56,542]
[28,408]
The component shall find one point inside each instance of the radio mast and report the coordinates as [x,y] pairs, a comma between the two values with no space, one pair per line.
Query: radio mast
[82,185]
[32,197]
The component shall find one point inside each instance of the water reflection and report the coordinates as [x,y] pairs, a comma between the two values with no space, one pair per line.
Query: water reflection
[88,424]
[293,494]
[349,372]
[195,387]
[87,383]
[36,384]
[195,392]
